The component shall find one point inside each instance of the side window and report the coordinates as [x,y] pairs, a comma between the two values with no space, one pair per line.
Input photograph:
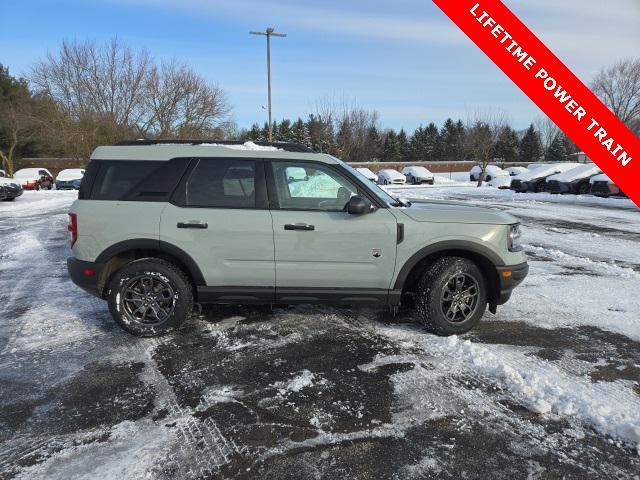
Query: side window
[310,186]
[221,183]
[115,179]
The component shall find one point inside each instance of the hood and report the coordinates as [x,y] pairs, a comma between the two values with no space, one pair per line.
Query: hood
[391,173]
[577,173]
[448,212]
[545,170]
[9,181]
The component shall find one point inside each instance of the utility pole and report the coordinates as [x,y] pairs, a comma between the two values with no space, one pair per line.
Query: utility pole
[269,32]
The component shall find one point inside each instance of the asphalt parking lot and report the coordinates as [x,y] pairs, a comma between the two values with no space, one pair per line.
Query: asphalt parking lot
[547,388]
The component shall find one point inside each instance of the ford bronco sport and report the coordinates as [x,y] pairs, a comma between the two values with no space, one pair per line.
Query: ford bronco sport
[159,226]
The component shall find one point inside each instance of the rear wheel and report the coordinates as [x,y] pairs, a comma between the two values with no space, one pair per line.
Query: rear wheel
[150,297]
[539,187]
[451,296]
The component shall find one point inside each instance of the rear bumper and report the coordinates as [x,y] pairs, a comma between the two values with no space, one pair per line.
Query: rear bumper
[78,270]
[510,277]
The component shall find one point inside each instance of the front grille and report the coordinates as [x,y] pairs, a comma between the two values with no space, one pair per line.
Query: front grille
[553,186]
[398,180]
[600,187]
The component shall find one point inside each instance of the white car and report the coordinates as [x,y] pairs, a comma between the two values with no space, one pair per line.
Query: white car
[534,179]
[3,174]
[490,173]
[575,180]
[368,173]
[389,176]
[501,181]
[417,175]
[513,171]
[69,178]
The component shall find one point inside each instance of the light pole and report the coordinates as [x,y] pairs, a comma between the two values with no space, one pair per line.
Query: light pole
[269,32]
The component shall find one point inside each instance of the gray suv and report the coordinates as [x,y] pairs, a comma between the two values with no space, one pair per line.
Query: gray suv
[159,226]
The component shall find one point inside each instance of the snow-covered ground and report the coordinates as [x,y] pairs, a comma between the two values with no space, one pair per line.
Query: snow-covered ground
[547,388]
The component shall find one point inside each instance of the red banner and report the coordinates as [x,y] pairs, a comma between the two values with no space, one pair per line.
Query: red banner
[551,85]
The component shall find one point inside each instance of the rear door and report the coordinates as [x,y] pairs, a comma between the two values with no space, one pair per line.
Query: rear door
[321,251]
[218,215]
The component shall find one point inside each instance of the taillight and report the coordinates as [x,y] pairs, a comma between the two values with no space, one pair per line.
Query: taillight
[73,227]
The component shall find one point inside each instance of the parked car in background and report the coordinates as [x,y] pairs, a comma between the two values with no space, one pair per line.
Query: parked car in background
[69,179]
[575,180]
[502,181]
[368,173]
[34,178]
[389,176]
[491,172]
[10,189]
[417,175]
[513,171]
[602,186]
[3,174]
[534,179]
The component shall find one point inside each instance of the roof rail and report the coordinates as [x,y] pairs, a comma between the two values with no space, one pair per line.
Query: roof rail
[287,146]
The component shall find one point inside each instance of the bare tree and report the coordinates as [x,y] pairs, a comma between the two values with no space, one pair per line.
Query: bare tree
[179,103]
[547,130]
[482,133]
[18,119]
[618,87]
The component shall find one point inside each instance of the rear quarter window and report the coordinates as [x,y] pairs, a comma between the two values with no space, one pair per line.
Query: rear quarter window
[142,181]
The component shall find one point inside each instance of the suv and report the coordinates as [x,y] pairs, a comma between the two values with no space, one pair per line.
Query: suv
[160,226]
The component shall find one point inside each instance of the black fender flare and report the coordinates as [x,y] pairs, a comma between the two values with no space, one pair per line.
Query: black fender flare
[154,244]
[460,245]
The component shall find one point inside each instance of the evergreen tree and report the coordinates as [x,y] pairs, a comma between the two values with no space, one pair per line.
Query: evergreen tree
[284,133]
[255,133]
[405,147]
[557,151]
[321,134]
[391,147]
[530,146]
[506,148]
[374,145]
[451,141]
[431,143]
[416,146]
[299,133]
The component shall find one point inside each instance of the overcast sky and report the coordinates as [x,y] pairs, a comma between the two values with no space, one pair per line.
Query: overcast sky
[404,59]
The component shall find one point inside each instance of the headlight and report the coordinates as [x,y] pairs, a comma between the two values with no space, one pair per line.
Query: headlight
[513,239]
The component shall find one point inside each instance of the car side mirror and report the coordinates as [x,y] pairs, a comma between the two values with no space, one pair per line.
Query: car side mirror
[358,205]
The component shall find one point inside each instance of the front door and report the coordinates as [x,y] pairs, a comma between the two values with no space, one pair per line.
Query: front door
[219,217]
[319,247]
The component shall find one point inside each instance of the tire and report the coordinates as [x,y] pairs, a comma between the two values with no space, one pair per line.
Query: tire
[440,280]
[414,181]
[583,188]
[539,187]
[171,288]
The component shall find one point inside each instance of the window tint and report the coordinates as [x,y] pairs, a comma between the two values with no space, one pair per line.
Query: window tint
[306,186]
[115,179]
[221,183]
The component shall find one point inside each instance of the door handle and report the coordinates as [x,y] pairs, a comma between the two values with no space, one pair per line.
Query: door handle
[299,226]
[193,225]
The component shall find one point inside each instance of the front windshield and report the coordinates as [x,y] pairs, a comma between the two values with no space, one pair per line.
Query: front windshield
[374,188]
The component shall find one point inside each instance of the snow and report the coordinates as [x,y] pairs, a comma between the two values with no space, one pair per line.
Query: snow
[545,170]
[583,171]
[303,380]
[246,146]
[390,174]
[70,174]
[610,408]
[417,171]
[600,178]
[367,173]
[29,173]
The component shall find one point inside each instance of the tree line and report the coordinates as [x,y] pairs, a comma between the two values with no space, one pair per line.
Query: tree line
[357,141]
[85,95]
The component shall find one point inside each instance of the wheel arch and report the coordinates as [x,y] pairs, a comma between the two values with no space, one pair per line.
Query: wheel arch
[121,253]
[486,259]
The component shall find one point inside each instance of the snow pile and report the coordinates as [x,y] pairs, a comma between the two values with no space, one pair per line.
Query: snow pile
[246,146]
[610,408]
[297,383]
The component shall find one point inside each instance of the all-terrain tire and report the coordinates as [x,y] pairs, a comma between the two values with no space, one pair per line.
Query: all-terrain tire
[583,188]
[178,304]
[430,294]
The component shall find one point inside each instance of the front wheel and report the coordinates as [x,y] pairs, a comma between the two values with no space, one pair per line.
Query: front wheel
[451,296]
[150,297]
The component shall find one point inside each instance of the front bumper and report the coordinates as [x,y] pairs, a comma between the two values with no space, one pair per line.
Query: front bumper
[70,185]
[509,278]
[78,270]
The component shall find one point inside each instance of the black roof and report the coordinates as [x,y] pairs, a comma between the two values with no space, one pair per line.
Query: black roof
[286,146]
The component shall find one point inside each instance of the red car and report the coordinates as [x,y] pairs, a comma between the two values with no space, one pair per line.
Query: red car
[34,178]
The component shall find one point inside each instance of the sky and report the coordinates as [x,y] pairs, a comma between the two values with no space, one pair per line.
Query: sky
[404,59]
